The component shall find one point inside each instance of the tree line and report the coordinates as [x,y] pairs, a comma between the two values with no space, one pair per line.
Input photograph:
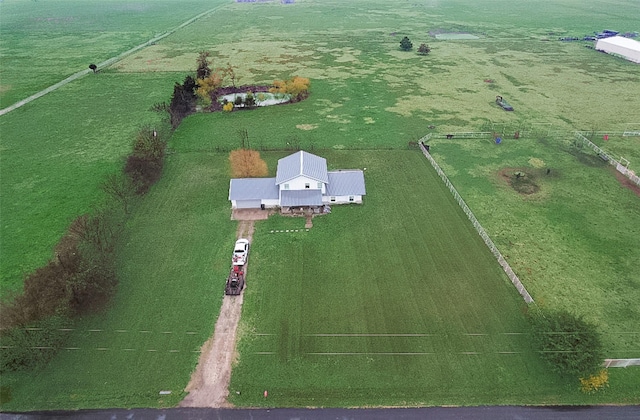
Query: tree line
[81,277]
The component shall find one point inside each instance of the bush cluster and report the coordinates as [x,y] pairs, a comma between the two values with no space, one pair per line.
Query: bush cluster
[28,348]
[569,344]
[144,164]
[297,87]
[595,382]
[79,279]
[183,101]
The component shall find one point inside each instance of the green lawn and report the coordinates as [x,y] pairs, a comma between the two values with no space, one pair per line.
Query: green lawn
[173,264]
[574,244]
[381,304]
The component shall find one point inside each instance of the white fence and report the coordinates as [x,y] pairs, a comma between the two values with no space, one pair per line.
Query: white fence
[621,362]
[483,234]
[619,167]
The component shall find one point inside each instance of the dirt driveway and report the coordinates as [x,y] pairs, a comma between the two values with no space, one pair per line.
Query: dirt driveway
[209,384]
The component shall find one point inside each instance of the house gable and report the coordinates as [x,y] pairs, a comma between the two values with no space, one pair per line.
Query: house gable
[302,164]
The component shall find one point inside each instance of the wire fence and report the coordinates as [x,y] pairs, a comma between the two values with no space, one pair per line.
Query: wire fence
[607,158]
[476,224]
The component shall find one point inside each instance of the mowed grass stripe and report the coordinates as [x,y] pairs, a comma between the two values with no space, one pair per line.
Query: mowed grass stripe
[405,262]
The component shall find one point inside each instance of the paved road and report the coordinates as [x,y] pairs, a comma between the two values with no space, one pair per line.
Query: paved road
[453,413]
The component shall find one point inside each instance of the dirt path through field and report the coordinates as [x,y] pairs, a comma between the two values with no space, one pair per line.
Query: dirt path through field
[209,384]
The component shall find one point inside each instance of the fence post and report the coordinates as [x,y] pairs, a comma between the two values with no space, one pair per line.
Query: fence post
[476,224]
[619,167]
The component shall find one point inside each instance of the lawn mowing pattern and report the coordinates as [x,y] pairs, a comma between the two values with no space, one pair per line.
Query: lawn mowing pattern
[372,95]
[403,273]
[172,269]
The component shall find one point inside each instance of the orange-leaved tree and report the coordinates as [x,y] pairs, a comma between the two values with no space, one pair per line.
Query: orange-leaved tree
[246,163]
[297,87]
[208,85]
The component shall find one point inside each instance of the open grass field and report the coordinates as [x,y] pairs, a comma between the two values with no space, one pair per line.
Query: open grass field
[173,263]
[572,246]
[44,42]
[366,94]
[55,153]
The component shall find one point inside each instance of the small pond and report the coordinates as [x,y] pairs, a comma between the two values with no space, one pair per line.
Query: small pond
[262,98]
[455,36]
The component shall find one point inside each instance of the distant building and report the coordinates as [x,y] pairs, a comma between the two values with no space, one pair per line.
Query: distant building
[302,181]
[620,46]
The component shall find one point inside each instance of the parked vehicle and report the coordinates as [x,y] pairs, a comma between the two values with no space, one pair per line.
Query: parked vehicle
[235,281]
[240,252]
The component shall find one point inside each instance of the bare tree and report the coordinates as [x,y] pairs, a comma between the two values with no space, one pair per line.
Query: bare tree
[120,188]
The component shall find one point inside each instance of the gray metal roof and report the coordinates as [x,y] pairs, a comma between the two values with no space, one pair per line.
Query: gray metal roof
[301,163]
[253,189]
[301,198]
[349,182]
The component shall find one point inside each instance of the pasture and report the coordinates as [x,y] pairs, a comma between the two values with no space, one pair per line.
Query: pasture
[42,43]
[572,244]
[365,94]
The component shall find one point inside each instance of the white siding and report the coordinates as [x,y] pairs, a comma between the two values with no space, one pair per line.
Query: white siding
[298,183]
[342,199]
[245,204]
[271,203]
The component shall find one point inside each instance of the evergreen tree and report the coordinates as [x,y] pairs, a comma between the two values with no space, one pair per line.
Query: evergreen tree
[406,44]
[203,70]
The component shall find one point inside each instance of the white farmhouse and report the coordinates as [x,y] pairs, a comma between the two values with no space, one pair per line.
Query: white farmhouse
[302,181]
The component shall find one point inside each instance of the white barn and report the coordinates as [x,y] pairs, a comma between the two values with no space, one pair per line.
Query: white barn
[302,180]
[618,45]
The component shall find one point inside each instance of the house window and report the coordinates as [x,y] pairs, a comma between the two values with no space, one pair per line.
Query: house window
[307,185]
[286,186]
[350,198]
[333,199]
[319,185]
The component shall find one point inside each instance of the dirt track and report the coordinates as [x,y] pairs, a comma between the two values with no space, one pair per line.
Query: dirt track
[209,384]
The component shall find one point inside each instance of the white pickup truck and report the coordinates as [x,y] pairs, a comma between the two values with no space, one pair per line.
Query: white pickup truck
[240,252]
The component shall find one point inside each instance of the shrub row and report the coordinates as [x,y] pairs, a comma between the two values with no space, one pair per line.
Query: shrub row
[81,278]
